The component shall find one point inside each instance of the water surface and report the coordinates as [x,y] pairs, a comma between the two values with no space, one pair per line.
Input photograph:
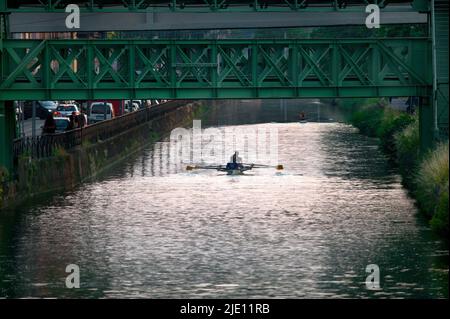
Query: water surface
[150,229]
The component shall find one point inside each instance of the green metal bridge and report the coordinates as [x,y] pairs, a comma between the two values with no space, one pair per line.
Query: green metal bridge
[218,69]
[206,5]
[115,69]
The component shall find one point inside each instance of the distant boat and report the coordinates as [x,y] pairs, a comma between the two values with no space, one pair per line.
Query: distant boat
[303,121]
[302,117]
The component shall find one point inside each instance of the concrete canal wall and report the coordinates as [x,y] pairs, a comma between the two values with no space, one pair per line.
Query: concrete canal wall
[68,168]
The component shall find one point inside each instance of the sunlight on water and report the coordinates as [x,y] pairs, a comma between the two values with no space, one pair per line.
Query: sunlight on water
[152,229]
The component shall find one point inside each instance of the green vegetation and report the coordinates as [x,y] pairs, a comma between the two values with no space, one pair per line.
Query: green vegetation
[60,153]
[432,187]
[368,119]
[4,178]
[375,119]
[200,111]
[155,136]
[407,144]
[425,176]
[392,122]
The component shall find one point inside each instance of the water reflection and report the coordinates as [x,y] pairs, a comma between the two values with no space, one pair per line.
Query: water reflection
[151,229]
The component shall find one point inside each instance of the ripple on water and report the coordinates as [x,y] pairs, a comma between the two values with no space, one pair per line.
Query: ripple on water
[152,230]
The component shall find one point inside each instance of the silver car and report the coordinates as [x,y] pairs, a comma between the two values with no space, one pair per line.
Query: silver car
[101,111]
[65,110]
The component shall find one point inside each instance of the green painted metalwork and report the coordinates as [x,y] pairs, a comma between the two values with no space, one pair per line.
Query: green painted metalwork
[426,129]
[421,5]
[208,5]
[440,66]
[120,69]
[7,133]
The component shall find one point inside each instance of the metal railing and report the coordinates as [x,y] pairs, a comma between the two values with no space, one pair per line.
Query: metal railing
[47,145]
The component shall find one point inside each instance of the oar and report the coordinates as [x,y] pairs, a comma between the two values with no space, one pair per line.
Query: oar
[278,167]
[190,168]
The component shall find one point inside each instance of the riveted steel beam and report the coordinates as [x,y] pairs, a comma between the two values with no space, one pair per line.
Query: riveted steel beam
[83,69]
[206,5]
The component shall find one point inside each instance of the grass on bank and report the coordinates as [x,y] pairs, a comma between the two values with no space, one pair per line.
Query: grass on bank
[407,152]
[378,120]
[432,187]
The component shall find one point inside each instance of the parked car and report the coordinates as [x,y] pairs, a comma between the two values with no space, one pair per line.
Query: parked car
[65,110]
[131,106]
[61,124]
[101,111]
[138,103]
[43,109]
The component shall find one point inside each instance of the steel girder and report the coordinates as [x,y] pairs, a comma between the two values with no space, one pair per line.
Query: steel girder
[162,69]
[205,5]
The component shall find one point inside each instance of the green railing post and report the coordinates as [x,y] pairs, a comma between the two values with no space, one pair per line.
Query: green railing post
[132,69]
[254,68]
[426,129]
[7,133]
[214,70]
[173,70]
[421,5]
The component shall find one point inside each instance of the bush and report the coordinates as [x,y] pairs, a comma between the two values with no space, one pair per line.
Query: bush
[376,120]
[432,187]
[439,222]
[368,119]
[60,152]
[392,123]
[4,178]
[407,144]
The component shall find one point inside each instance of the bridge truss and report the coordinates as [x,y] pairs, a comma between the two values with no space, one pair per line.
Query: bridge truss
[163,69]
[207,5]
[202,69]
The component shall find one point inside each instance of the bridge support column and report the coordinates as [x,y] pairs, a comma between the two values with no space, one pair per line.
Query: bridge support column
[426,125]
[7,134]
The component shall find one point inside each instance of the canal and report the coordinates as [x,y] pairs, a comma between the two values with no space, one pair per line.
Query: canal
[150,229]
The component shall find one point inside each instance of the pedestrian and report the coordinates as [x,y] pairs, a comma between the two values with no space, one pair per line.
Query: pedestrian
[81,120]
[72,122]
[49,125]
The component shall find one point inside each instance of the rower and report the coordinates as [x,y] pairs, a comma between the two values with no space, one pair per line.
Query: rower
[235,161]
